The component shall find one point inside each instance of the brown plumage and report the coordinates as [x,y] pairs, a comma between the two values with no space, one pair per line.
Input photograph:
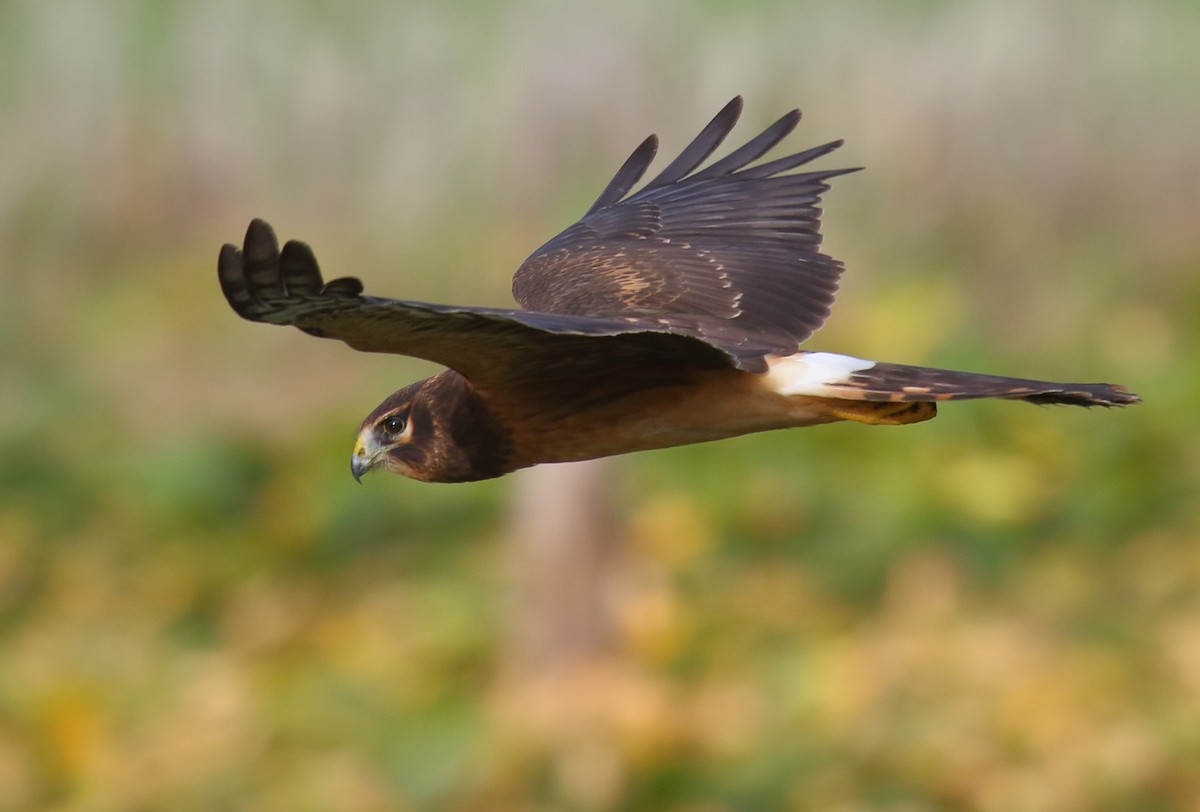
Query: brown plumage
[668,316]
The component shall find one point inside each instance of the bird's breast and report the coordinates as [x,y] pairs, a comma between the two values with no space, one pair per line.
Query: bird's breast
[697,407]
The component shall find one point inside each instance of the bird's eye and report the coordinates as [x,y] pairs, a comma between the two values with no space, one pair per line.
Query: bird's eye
[394,425]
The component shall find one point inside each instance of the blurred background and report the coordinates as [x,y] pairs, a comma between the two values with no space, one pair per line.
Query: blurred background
[199,609]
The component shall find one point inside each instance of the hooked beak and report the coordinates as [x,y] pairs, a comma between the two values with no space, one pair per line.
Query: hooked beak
[366,456]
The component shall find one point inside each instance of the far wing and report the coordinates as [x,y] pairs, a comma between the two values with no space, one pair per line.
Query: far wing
[490,347]
[729,253]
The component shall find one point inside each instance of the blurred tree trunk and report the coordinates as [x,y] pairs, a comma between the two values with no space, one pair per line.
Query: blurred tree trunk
[566,556]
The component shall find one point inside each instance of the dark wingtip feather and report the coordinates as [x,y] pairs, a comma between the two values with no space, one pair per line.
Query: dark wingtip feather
[701,146]
[345,287]
[753,149]
[630,173]
[232,279]
[799,159]
[249,275]
[259,279]
[260,245]
[299,270]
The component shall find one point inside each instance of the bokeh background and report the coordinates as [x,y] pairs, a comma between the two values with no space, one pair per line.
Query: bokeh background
[199,609]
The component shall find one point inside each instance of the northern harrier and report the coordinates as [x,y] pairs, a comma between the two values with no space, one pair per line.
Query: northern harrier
[669,316]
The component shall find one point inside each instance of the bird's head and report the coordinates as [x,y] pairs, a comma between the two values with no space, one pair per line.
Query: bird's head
[435,430]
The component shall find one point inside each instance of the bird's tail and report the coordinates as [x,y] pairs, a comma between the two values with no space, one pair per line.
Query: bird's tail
[896,393]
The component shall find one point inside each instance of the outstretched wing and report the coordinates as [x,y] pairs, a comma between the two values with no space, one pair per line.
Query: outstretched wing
[728,253]
[490,347]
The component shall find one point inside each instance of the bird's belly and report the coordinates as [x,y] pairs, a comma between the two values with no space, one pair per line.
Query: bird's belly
[708,405]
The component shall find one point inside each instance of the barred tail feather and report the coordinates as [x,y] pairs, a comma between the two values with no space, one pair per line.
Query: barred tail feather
[841,376]
[897,382]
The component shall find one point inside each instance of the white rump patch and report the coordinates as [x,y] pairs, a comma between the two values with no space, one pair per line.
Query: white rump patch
[809,373]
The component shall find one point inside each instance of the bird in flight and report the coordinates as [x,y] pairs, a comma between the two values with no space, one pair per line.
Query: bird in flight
[669,316]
